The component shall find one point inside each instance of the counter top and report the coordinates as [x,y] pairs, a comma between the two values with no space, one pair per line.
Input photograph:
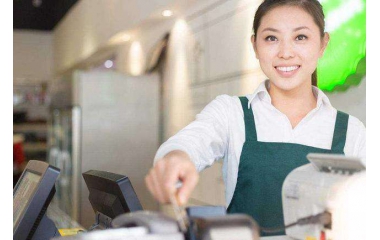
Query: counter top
[277,238]
[60,218]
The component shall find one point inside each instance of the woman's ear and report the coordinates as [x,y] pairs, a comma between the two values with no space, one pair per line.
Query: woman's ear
[325,42]
[253,41]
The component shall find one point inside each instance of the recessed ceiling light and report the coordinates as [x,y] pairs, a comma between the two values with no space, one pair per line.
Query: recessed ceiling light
[37,3]
[167,13]
[108,64]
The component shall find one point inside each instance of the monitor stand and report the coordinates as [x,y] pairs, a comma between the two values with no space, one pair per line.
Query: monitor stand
[101,222]
[45,230]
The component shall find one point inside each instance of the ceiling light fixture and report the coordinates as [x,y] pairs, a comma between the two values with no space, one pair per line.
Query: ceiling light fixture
[167,13]
[108,64]
[125,37]
[37,3]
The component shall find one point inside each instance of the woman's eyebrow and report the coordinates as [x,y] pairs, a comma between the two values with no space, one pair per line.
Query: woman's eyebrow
[276,30]
[270,29]
[300,28]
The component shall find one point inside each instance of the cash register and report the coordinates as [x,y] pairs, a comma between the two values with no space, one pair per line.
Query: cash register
[31,198]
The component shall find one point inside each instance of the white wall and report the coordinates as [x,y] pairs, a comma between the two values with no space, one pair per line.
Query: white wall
[32,65]
[119,130]
[352,101]
[32,55]
[91,23]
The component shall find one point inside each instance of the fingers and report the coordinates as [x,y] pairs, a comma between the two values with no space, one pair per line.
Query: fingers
[162,178]
[149,184]
[154,182]
[189,181]
[157,186]
[171,177]
[160,172]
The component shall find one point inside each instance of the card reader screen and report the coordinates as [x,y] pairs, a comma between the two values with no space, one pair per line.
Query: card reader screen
[23,194]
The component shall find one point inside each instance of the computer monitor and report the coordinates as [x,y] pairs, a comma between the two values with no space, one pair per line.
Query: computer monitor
[110,195]
[31,197]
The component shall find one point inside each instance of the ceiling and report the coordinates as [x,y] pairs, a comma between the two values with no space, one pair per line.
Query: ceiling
[39,14]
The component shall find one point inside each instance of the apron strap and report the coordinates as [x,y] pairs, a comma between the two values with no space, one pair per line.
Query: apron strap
[249,121]
[340,131]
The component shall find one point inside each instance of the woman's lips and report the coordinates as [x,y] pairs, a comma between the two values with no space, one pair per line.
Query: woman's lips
[287,71]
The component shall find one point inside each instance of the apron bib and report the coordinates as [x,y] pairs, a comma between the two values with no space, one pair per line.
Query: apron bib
[264,166]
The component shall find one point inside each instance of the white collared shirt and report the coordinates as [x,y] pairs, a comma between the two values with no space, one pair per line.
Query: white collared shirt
[219,132]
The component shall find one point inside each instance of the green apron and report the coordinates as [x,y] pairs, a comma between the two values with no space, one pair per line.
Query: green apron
[263,167]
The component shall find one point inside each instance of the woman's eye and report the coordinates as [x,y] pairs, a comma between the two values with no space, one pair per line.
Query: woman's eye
[301,37]
[271,38]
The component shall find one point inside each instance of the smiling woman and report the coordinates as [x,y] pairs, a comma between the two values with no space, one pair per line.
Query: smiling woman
[288,43]
[263,136]
[300,30]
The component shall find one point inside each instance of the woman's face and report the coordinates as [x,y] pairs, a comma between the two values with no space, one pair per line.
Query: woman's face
[288,45]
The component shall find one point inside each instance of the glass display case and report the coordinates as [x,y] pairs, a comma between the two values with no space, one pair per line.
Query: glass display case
[63,151]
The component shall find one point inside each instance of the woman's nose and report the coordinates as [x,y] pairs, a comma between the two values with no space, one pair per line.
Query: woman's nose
[286,50]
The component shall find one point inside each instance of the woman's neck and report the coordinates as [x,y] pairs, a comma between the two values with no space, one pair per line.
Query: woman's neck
[295,103]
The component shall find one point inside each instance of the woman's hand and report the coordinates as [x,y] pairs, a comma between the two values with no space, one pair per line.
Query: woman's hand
[173,167]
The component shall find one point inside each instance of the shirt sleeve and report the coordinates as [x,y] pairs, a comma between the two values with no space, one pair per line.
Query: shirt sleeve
[206,138]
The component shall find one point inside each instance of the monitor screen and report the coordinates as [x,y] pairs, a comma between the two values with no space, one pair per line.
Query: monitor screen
[24,192]
[110,194]
[31,198]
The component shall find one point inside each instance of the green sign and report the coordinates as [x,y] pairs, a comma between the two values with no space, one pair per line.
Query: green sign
[343,63]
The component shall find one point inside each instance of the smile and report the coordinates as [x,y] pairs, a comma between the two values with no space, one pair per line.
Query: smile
[288,69]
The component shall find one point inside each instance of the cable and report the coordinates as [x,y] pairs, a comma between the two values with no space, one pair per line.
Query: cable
[95,225]
[321,218]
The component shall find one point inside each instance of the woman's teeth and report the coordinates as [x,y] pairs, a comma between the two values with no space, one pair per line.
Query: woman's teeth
[287,69]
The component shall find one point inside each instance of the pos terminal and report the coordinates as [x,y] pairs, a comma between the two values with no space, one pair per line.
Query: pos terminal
[111,195]
[31,197]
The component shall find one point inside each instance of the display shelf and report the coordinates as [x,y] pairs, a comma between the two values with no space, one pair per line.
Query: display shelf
[35,147]
[30,127]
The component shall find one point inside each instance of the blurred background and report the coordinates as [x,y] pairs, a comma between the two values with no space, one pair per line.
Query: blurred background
[100,84]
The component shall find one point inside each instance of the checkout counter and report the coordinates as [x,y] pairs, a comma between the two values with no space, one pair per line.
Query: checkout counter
[315,200]
[64,223]
[68,226]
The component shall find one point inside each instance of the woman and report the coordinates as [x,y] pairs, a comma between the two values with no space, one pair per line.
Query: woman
[265,135]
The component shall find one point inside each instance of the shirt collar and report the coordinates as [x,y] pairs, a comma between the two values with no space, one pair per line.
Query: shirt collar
[321,97]
[261,93]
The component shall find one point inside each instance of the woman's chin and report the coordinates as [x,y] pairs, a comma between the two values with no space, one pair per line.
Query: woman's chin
[287,84]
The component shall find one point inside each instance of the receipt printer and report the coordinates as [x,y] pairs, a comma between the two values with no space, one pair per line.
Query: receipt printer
[322,187]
